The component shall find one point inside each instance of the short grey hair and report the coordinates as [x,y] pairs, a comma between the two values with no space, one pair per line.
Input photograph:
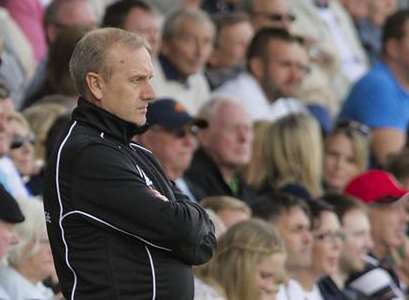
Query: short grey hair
[174,22]
[90,53]
[29,232]
[210,108]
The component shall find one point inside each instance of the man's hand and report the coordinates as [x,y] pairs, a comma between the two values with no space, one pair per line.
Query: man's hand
[159,195]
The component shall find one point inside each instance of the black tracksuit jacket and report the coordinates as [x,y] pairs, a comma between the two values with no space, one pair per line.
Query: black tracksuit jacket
[111,237]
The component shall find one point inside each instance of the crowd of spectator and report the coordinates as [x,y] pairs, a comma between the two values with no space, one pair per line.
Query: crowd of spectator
[287,120]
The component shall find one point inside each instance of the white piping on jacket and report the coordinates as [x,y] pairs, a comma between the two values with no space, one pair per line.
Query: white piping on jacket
[153,274]
[57,172]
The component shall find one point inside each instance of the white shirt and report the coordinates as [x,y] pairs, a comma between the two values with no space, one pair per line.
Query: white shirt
[20,288]
[11,179]
[247,91]
[192,95]
[294,291]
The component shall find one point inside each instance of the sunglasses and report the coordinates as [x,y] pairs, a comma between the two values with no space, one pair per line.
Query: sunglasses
[20,141]
[354,126]
[276,17]
[179,132]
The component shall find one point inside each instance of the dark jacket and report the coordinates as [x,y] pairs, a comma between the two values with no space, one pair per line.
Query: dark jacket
[111,236]
[206,176]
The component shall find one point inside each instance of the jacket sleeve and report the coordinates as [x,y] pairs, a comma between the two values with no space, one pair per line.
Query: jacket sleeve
[107,186]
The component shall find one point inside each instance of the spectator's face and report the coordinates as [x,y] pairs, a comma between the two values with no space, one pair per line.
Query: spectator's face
[294,227]
[389,223]
[231,217]
[232,44]
[144,23]
[41,261]
[173,148]
[8,237]
[127,91]
[340,165]
[271,13]
[190,48]
[6,107]
[229,137]
[270,274]
[283,70]
[22,149]
[382,7]
[72,13]
[399,53]
[358,241]
[328,241]
[357,9]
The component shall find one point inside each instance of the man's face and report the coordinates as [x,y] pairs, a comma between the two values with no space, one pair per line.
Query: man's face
[232,44]
[72,13]
[190,48]
[229,139]
[284,69]
[8,237]
[401,58]
[6,107]
[144,23]
[271,13]
[127,92]
[173,148]
[295,230]
[358,241]
[389,223]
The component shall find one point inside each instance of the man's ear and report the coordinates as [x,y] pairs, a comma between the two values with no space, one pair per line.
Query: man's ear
[392,48]
[256,67]
[95,85]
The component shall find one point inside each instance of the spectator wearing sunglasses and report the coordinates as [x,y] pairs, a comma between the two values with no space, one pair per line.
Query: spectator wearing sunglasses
[22,149]
[172,139]
[9,176]
[346,154]
[380,99]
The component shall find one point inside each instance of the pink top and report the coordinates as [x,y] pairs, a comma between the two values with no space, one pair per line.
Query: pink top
[28,14]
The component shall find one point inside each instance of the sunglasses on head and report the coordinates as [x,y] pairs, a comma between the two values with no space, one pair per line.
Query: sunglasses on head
[20,141]
[353,125]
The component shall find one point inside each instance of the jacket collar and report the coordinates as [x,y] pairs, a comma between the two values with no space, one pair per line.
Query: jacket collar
[105,122]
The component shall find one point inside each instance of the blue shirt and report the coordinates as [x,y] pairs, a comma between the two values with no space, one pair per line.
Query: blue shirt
[378,100]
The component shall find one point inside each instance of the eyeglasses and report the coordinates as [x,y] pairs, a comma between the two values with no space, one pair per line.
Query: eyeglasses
[19,141]
[330,236]
[276,17]
[353,125]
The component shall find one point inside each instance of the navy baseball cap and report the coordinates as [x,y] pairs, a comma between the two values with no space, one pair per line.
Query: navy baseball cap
[169,114]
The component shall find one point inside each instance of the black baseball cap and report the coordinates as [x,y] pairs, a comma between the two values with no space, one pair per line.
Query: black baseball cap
[10,212]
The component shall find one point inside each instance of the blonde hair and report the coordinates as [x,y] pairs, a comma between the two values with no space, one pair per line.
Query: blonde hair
[239,251]
[359,142]
[253,172]
[219,203]
[20,119]
[30,232]
[292,153]
[41,117]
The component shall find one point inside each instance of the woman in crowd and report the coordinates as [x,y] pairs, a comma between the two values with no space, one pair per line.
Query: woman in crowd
[30,262]
[328,240]
[22,150]
[248,263]
[346,154]
[291,153]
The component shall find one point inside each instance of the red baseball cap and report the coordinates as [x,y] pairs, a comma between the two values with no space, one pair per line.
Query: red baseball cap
[375,186]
